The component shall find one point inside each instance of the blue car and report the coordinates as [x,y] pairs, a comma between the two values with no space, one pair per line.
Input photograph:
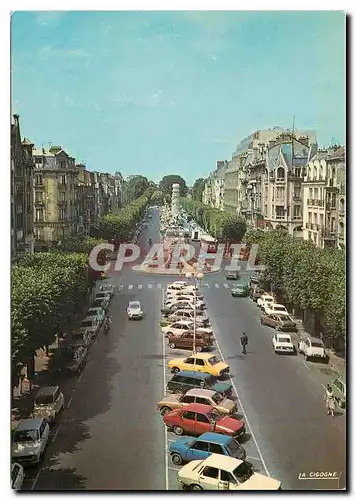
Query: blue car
[186,449]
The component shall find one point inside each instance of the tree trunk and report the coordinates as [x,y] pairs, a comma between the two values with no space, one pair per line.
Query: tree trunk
[31,370]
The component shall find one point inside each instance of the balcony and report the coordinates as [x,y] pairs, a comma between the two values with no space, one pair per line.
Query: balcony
[280,179]
[280,217]
[329,207]
[39,203]
[315,202]
[308,225]
[62,203]
[297,197]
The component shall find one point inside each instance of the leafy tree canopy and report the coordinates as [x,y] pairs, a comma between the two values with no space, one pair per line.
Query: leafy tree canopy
[136,186]
[197,190]
[168,180]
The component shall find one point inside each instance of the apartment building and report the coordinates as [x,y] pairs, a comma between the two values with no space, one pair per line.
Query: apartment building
[324,198]
[286,158]
[214,187]
[22,165]
[55,210]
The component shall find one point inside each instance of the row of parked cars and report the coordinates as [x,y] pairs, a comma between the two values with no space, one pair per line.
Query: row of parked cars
[199,404]
[31,435]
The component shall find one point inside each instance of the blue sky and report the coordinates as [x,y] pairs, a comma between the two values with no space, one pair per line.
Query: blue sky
[155,93]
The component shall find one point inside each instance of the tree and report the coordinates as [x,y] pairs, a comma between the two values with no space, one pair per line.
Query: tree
[157,198]
[136,186]
[197,190]
[168,180]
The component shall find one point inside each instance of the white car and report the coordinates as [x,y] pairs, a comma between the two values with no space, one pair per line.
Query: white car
[282,343]
[272,308]
[134,310]
[177,285]
[262,301]
[184,299]
[30,440]
[180,291]
[180,326]
[312,348]
[190,292]
[220,472]
[17,476]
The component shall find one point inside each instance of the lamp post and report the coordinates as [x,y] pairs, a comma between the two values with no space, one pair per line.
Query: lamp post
[197,275]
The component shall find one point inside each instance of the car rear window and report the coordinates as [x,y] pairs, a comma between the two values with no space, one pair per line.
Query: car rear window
[316,343]
[285,340]
[44,400]
[25,436]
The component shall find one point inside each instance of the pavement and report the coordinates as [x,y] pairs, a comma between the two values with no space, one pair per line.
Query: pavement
[111,436]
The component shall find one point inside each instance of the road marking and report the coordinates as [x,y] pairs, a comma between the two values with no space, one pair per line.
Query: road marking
[207,285]
[164,391]
[171,440]
[139,287]
[306,366]
[226,285]
[254,458]
[36,478]
[130,287]
[243,410]
[121,287]
[216,285]
[173,468]
[159,285]
[149,286]
[80,377]
[69,402]
[55,434]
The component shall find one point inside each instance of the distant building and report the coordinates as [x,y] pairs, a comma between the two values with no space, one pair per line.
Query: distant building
[214,188]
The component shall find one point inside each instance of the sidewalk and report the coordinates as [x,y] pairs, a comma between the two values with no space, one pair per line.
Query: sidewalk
[22,401]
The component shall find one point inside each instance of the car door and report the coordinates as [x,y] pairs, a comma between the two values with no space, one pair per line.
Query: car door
[199,450]
[188,421]
[216,448]
[271,320]
[209,478]
[44,432]
[185,341]
[199,365]
[17,476]
[189,364]
[202,424]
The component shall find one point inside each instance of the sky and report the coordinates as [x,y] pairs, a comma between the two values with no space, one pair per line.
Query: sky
[159,93]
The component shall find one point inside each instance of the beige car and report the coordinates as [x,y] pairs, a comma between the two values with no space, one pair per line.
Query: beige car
[183,325]
[49,402]
[201,396]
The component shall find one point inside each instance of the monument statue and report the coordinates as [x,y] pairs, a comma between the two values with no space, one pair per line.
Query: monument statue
[175,199]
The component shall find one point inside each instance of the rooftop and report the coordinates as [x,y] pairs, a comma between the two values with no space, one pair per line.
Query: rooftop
[28,424]
[224,462]
[213,437]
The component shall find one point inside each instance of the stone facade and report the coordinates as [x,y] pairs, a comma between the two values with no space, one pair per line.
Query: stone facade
[214,188]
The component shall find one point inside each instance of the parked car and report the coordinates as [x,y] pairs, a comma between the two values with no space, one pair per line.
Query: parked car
[104,303]
[90,324]
[202,362]
[264,299]
[187,290]
[83,337]
[188,314]
[49,402]
[109,289]
[254,280]
[103,296]
[98,313]
[134,310]
[17,476]
[256,292]
[184,304]
[76,356]
[339,389]
[199,304]
[202,396]
[282,344]
[232,275]
[312,348]
[240,290]
[185,340]
[177,285]
[272,308]
[219,472]
[279,322]
[183,325]
[184,380]
[186,449]
[198,419]
[30,440]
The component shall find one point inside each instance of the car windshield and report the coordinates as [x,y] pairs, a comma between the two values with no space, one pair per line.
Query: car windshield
[233,448]
[316,343]
[214,415]
[87,323]
[243,472]
[285,319]
[214,360]
[43,400]
[93,312]
[25,436]
[284,340]
[134,305]
[279,308]
[217,398]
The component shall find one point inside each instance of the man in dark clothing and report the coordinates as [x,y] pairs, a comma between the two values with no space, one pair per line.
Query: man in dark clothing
[243,342]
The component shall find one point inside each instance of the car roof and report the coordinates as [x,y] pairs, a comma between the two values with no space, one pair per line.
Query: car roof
[28,424]
[281,334]
[198,407]
[134,303]
[213,437]
[94,309]
[87,318]
[202,355]
[222,462]
[191,373]
[200,392]
[184,322]
[278,305]
[47,390]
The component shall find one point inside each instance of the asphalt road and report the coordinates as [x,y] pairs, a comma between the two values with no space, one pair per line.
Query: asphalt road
[112,437]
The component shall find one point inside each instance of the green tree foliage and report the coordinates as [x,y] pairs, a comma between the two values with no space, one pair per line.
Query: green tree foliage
[78,244]
[157,198]
[168,180]
[222,226]
[197,190]
[310,277]
[136,186]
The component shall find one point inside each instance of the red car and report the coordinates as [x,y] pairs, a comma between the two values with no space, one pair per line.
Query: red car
[198,419]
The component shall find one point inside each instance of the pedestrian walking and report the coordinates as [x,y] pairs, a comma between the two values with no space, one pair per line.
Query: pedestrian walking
[329,400]
[243,342]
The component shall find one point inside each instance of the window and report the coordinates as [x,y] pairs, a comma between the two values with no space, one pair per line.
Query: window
[280,173]
[62,164]
[211,472]
[321,219]
[39,215]
[61,214]
[42,428]
[226,476]
[297,192]
[333,201]
[310,193]
[342,206]
[38,197]
[62,196]
[202,401]
[216,448]
[38,160]
[280,193]
[63,179]
[202,418]
[297,171]
[309,217]
[189,361]
[199,362]
[201,446]
[297,213]
[188,399]
[316,193]
[38,180]
[39,233]
[341,229]
[279,212]
[309,235]
[189,415]
[315,218]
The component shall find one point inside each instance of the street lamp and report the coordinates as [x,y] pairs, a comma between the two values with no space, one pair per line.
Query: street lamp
[197,275]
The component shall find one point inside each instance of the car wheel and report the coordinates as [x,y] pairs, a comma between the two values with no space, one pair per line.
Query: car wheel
[306,358]
[278,328]
[176,459]
[172,345]
[195,487]
[199,348]
[178,430]
[175,370]
[165,410]
[262,322]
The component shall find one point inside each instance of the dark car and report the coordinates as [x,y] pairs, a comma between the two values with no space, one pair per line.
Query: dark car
[101,303]
[279,322]
[182,381]
[175,307]
[186,341]
[256,292]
